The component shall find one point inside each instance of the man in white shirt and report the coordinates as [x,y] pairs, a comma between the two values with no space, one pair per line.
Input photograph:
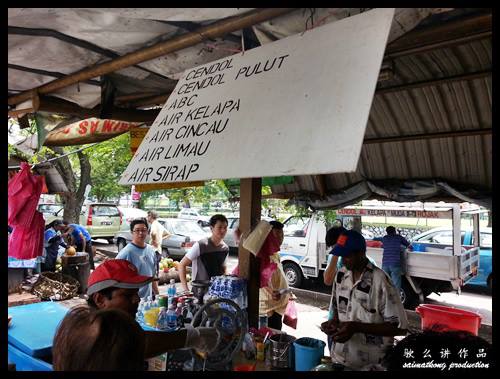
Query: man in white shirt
[157,234]
[367,309]
[208,255]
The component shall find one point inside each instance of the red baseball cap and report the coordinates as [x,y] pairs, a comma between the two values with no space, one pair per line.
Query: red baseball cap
[118,273]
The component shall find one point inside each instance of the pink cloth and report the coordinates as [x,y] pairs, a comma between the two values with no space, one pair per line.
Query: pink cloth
[24,191]
[27,242]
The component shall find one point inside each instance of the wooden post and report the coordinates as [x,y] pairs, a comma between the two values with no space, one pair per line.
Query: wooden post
[250,204]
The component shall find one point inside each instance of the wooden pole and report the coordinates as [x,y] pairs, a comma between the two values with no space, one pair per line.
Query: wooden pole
[250,205]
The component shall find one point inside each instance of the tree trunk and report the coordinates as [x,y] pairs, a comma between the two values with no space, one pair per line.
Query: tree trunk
[73,199]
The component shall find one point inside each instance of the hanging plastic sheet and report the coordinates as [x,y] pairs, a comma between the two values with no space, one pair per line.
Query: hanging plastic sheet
[24,191]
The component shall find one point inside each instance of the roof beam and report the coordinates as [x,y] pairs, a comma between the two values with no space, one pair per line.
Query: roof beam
[72,41]
[54,105]
[424,136]
[433,82]
[442,35]
[217,29]
[53,74]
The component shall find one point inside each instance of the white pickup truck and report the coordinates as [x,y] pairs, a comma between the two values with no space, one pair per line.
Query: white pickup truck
[303,253]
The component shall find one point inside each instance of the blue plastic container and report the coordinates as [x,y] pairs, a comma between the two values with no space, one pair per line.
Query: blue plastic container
[418,247]
[308,353]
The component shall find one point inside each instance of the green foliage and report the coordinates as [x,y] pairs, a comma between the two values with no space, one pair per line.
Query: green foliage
[329,217]
[108,160]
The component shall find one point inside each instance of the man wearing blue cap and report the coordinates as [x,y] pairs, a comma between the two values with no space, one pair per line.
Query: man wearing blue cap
[367,309]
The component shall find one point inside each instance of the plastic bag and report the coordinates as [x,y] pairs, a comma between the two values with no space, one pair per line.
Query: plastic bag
[256,238]
[291,318]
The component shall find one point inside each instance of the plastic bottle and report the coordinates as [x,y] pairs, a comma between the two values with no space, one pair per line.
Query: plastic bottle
[171,291]
[161,323]
[171,318]
[140,312]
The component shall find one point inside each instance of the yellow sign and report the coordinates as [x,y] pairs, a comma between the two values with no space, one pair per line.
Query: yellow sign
[161,186]
[136,137]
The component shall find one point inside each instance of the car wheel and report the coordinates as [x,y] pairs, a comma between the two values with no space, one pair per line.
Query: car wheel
[121,244]
[408,296]
[110,240]
[293,274]
[490,282]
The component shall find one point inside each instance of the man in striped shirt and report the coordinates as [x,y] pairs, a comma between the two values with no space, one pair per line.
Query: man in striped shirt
[393,244]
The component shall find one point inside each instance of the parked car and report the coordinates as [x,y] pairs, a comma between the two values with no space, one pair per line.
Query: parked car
[48,210]
[102,220]
[194,214]
[442,236]
[184,234]
[232,225]
[128,214]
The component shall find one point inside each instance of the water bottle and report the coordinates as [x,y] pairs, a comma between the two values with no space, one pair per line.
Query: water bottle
[171,318]
[147,304]
[179,313]
[263,320]
[140,312]
[171,291]
[161,323]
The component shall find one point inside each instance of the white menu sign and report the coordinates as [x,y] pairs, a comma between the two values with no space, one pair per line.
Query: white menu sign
[296,106]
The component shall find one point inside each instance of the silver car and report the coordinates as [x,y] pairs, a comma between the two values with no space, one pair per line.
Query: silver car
[184,234]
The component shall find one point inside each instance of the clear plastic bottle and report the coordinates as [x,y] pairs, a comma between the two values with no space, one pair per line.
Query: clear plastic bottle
[140,312]
[161,323]
[171,318]
[171,290]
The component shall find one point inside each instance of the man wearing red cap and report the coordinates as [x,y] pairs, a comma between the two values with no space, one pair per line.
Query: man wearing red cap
[367,309]
[115,283]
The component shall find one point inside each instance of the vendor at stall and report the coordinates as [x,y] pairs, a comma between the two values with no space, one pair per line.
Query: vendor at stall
[367,309]
[208,255]
[52,241]
[114,284]
[81,238]
[273,298]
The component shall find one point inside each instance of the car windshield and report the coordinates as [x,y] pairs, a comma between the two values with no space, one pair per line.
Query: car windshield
[48,208]
[186,228]
[105,210]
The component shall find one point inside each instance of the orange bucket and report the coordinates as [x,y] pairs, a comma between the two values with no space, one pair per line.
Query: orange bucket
[448,318]
[245,367]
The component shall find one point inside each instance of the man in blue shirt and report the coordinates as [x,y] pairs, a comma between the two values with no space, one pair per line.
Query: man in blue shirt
[81,238]
[141,255]
[391,260]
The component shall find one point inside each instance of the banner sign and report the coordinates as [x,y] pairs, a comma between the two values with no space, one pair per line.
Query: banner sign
[394,213]
[88,131]
[295,106]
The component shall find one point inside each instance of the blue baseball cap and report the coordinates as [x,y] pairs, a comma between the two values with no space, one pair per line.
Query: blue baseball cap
[349,242]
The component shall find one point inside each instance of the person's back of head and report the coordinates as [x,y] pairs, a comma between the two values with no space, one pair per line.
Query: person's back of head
[103,340]
[277,225]
[153,214]
[333,234]
[390,230]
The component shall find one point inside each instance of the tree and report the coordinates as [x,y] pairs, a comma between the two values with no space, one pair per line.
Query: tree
[76,176]
[109,159]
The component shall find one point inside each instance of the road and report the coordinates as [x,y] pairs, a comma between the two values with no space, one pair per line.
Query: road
[471,298]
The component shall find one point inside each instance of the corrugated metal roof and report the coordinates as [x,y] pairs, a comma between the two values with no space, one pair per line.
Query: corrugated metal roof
[461,105]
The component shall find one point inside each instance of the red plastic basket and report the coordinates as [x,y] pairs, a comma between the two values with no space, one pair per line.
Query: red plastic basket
[440,317]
